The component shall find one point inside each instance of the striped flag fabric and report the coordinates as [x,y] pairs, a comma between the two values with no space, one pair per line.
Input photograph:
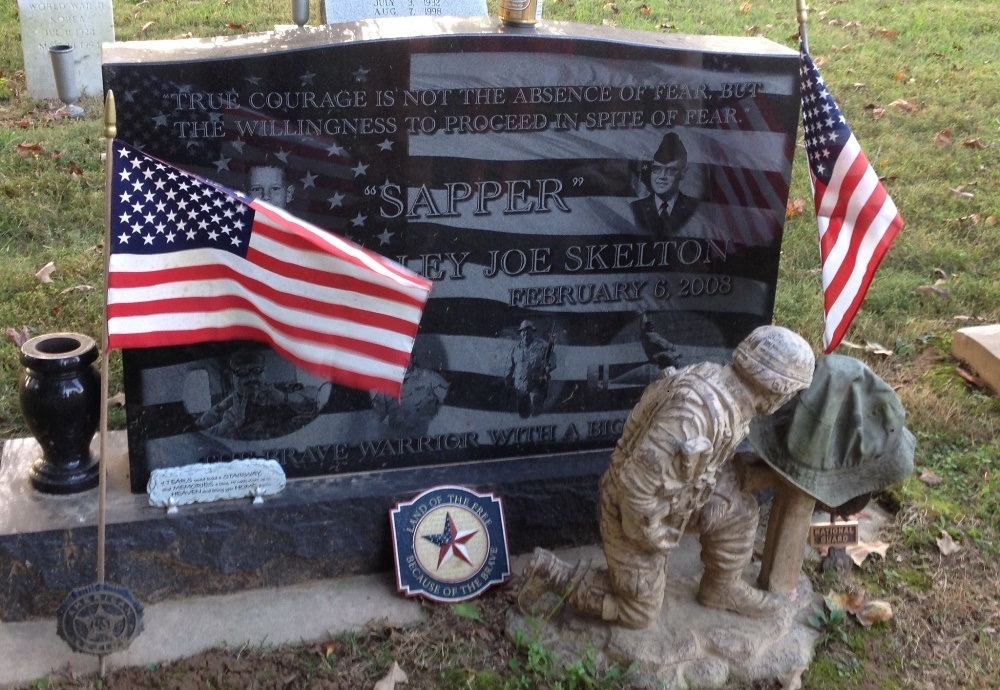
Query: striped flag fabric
[192,261]
[857,220]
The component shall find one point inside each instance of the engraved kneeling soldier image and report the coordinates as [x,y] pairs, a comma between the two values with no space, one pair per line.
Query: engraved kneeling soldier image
[670,473]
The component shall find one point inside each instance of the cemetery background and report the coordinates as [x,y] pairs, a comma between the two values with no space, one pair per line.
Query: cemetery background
[914,83]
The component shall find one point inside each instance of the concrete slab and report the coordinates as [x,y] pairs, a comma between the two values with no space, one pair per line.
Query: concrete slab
[181,628]
[979,348]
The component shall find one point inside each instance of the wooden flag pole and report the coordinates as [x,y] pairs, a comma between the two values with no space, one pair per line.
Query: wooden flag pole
[110,132]
[803,15]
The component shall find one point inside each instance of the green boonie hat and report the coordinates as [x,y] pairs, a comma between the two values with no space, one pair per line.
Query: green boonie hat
[842,437]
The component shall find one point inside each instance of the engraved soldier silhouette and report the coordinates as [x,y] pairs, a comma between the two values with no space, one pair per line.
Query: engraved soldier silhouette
[666,209]
[529,365]
[253,409]
[421,398]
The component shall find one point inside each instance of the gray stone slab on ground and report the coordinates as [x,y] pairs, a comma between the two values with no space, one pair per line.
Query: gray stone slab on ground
[83,24]
[182,628]
[979,348]
[690,646]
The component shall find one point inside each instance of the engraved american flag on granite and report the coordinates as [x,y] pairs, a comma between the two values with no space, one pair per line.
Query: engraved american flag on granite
[192,261]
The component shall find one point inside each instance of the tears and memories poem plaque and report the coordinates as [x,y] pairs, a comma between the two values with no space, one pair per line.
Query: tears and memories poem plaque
[593,205]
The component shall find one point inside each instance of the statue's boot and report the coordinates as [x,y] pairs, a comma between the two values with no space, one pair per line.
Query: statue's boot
[725,554]
[582,586]
[544,573]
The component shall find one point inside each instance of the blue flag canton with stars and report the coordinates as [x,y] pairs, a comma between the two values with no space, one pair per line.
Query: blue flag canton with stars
[826,132]
[157,209]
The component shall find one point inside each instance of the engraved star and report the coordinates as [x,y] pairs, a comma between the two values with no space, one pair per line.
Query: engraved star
[238,145]
[282,155]
[360,169]
[307,78]
[359,220]
[254,80]
[309,180]
[384,237]
[335,150]
[160,120]
[362,74]
[386,145]
[451,542]
[336,200]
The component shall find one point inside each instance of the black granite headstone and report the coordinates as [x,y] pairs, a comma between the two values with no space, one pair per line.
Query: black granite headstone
[522,170]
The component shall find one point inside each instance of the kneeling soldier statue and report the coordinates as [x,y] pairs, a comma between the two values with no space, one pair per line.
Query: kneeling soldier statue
[669,474]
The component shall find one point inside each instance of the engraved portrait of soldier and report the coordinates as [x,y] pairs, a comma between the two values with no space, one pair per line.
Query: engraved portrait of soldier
[253,408]
[421,397]
[666,209]
[529,367]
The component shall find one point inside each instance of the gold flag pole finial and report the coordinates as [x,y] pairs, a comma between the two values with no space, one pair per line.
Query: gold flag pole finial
[110,117]
[803,15]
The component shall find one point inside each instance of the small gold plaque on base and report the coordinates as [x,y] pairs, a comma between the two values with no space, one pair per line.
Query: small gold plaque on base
[833,534]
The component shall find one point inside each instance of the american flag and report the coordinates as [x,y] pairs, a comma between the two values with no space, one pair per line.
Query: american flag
[857,220]
[192,261]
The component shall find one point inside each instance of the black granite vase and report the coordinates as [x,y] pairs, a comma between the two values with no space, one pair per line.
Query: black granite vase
[61,403]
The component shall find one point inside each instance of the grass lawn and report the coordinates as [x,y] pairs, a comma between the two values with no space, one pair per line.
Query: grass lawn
[917,82]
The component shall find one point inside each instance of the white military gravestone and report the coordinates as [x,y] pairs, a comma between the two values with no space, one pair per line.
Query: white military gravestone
[83,24]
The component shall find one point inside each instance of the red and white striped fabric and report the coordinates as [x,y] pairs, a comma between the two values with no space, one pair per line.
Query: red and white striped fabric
[857,220]
[192,261]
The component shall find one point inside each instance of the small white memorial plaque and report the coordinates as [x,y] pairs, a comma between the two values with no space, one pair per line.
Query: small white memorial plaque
[339,11]
[216,481]
[83,24]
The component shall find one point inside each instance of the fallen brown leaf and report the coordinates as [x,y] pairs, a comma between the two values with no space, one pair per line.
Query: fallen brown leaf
[973,144]
[873,612]
[644,9]
[76,288]
[943,138]
[234,26]
[961,193]
[852,25]
[26,150]
[947,545]
[146,26]
[186,34]
[394,676]
[746,6]
[970,379]
[73,170]
[933,291]
[18,337]
[795,207]
[867,611]
[878,113]
[903,105]
[887,33]
[117,400]
[928,477]
[862,550]
[44,274]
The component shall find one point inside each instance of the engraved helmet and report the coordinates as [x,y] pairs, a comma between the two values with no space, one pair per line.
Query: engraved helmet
[775,360]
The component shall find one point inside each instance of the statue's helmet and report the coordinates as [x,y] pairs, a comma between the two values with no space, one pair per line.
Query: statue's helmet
[775,361]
